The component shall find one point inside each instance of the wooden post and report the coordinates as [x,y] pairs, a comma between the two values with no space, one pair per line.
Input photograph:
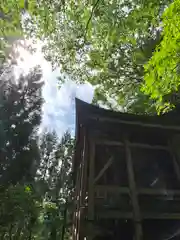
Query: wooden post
[84,170]
[91,188]
[83,184]
[174,150]
[64,220]
[133,193]
[75,219]
[78,201]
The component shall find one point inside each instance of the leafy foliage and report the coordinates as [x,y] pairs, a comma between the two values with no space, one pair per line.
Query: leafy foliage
[35,172]
[162,71]
[54,182]
[107,44]
[103,42]
[19,212]
[114,45]
[20,106]
[10,24]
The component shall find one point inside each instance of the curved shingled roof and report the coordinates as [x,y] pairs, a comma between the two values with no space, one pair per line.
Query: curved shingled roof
[87,111]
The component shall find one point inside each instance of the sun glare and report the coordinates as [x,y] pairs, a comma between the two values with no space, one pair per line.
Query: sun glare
[28,55]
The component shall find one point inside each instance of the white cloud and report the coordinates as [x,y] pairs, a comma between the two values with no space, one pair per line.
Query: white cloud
[58,108]
[59,103]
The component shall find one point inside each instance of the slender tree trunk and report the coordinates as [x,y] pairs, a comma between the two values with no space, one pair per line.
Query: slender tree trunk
[64,221]
[30,227]
[10,232]
[18,232]
[30,234]
[53,234]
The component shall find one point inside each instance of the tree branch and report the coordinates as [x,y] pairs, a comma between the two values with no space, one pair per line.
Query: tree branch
[93,9]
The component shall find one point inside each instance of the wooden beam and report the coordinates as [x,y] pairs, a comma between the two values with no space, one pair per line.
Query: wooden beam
[74,211]
[76,220]
[149,191]
[175,140]
[91,182]
[135,123]
[110,214]
[83,183]
[112,188]
[143,191]
[85,167]
[133,193]
[175,160]
[102,171]
[108,142]
[161,216]
[138,145]
[148,146]
[91,186]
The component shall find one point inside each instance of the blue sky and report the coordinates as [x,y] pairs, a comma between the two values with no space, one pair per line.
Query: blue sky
[58,108]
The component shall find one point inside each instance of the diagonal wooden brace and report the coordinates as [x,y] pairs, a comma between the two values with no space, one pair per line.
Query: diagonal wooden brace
[102,171]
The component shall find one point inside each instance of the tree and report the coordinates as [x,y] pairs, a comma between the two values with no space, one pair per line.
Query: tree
[40,209]
[35,172]
[10,24]
[103,42]
[19,210]
[162,70]
[54,182]
[20,106]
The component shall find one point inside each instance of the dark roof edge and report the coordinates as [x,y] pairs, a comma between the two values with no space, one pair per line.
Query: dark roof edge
[89,111]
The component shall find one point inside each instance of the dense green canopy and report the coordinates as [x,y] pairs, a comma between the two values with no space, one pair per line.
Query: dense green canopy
[107,43]
[162,70]
[35,171]
[129,50]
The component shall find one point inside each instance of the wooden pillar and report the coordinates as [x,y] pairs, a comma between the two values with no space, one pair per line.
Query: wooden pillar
[83,184]
[79,200]
[91,188]
[75,209]
[175,153]
[76,223]
[133,193]
[84,169]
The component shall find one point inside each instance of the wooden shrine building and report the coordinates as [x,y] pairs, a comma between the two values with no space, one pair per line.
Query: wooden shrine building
[126,175]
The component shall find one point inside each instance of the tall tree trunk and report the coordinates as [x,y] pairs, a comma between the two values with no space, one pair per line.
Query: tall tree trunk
[64,221]
[10,232]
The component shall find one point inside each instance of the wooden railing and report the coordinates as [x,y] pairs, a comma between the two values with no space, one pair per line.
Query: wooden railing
[105,209]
